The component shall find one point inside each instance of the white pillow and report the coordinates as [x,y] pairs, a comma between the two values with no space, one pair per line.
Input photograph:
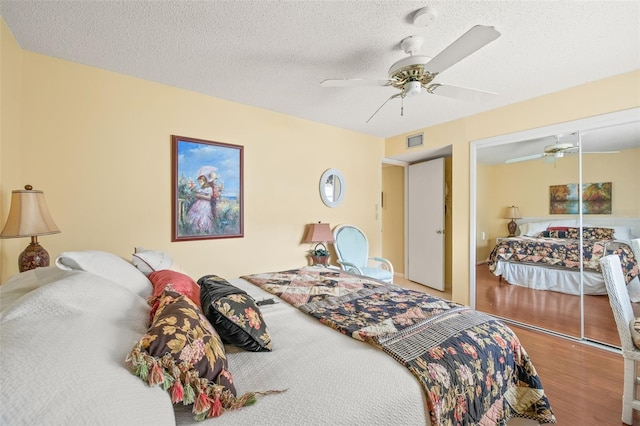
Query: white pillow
[534,228]
[621,233]
[148,261]
[109,266]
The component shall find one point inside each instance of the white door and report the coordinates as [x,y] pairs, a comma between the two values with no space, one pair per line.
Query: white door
[425,223]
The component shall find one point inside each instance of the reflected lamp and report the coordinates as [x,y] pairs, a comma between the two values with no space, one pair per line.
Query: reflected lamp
[512,213]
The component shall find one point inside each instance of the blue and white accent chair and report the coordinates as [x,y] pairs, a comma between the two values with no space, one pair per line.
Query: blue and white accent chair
[352,249]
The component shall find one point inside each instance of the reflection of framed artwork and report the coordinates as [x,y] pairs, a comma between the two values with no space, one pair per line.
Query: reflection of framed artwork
[596,198]
[206,189]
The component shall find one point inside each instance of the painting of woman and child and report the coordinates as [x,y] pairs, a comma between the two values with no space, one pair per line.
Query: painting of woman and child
[207,189]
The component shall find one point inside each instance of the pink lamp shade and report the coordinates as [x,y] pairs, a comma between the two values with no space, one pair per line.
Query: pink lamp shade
[29,217]
[319,233]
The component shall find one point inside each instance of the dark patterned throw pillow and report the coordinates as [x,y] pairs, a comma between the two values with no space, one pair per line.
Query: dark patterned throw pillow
[234,314]
[183,353]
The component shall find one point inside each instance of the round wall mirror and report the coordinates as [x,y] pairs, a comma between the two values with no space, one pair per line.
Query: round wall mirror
[332,187]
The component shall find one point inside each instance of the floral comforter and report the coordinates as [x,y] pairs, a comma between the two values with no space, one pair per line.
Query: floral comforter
[564,253]
[471,366]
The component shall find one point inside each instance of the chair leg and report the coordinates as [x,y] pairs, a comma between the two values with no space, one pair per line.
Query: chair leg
[629,390]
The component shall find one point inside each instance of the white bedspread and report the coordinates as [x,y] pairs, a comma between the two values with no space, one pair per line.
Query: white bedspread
[62,350]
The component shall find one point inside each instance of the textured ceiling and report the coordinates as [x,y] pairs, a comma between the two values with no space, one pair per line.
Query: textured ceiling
[274,55]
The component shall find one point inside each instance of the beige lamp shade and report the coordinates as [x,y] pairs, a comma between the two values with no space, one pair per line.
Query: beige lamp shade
[319,233]
[512,213]
[28,215]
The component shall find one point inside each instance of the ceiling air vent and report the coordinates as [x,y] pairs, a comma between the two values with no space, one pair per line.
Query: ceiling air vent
[415,140]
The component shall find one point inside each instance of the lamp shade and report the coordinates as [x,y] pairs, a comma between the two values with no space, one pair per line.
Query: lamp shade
[512,213]
[319,233]
[28,215]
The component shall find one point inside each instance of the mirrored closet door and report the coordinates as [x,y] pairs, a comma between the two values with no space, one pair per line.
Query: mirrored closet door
[558,184]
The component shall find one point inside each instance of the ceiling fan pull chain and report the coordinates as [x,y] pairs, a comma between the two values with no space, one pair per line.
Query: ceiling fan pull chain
[402,107]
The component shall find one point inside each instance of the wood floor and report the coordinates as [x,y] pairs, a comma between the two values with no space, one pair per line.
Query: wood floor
[546,309]
[583,382]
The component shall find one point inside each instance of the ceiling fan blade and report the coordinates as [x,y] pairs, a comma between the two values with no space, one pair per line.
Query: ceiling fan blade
[397,95]
[525,158]
[477,37]
[463,93]
[354,82]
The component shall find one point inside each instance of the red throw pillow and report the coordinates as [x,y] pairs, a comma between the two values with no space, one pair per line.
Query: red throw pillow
[558,228]
[180,283]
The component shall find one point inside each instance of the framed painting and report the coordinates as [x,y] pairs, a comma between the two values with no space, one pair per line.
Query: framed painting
[596,198]
[207,192]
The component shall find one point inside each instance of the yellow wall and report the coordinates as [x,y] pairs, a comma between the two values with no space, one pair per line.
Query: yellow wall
[10,131]
[603,96]
[393,216]
[526,185]
[98,144]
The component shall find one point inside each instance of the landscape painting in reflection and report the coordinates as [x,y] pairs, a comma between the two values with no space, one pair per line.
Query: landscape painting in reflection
[596,198]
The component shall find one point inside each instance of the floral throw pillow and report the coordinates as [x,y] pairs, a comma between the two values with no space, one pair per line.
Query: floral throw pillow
[234,314]
[183,353]
[595,233]
[588,233]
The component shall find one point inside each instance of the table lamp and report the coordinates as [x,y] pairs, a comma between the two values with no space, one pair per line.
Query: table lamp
[512,213]
[319,233]
[29,217]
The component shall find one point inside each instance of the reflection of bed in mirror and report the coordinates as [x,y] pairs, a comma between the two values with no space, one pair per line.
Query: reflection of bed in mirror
[546,256]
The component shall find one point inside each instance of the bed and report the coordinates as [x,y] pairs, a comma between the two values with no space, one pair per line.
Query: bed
[72,336]
[546,256]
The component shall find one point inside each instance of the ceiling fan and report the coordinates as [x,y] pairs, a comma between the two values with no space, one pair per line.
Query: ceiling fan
[556,150]
[416,72]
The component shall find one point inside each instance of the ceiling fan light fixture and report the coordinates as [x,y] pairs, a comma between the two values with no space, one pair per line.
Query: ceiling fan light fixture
[412,88]
[558,148]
